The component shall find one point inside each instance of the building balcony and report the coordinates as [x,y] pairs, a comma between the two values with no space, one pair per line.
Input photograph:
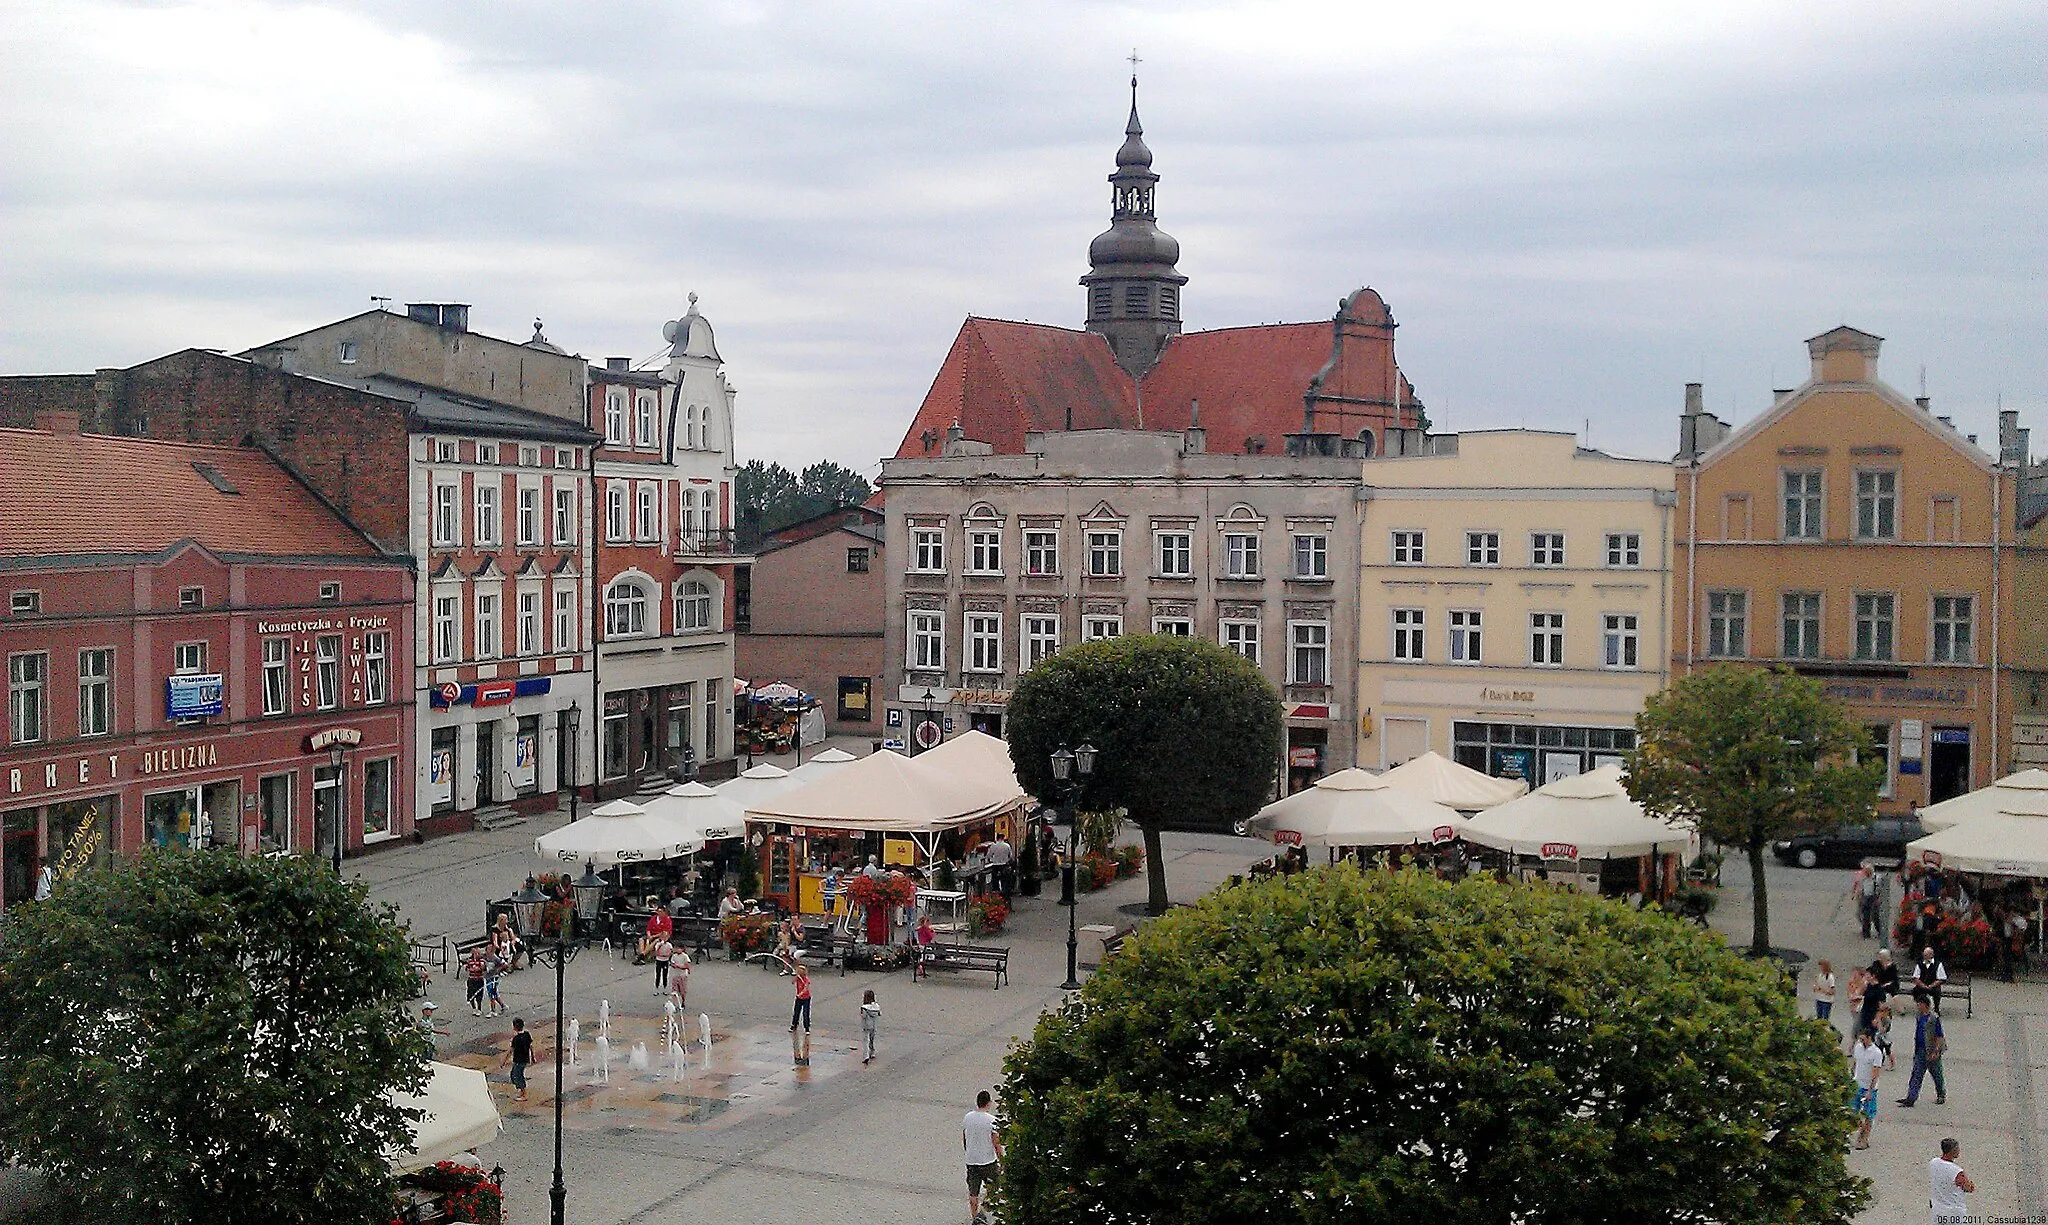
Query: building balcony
[716,544]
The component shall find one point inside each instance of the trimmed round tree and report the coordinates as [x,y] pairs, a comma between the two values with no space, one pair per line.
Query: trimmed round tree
[191,1036]
[1346,1045]
[1184,730]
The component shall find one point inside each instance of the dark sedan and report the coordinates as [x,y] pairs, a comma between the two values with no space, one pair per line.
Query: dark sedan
[1884,838]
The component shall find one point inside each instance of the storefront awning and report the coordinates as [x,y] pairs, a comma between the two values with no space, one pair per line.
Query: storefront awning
[1436,777]
[1998,844]
[618,832]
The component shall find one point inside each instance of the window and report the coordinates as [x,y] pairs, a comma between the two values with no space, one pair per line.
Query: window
[1240,555]
[330,593]
[984,642]
[487,625]
[1041,638]
[1546,640]
[1877,505]
[346,351]
[277,675]
[615,416]
[1727,624]
[95,692]
[1175,627]
[1101,301]
[1945,518]
[1465,633]
[1408,634]
[1482,548]
[646,522]
[1801,635]
[327,672]
[487,452]
[565,619]
[1105,554]
[1312,556]
[529,623]
[486,513]
[693,606]
[26,675]
[1094,629]
[857,561]
[928,550]
[615,511]
[446,451]
[189,658]
[625,610]
[529,515]
[1618,640]
[643,419]
[1242,637]
[565,516]
[1952,630]
[447,520]
[274,793]
[1041,551]
[1546,548]
[1874,625]
[1310,653]
[565,458]
[24,603]
[712,709]
[529,457]
[1176,554]
[690,414]
[1624,550]
[377,797]
[376,669]
[985,551]
[191,597]
[1802,505]
[1407,548]
[1881,752]
[927,642]
[447,629]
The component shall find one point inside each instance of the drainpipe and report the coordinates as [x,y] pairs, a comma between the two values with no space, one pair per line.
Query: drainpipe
[1997,550]
[1692,568]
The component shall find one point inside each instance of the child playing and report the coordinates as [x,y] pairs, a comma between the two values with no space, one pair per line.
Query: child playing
[679,976]
[494,969]
[473,981]
[870,1021]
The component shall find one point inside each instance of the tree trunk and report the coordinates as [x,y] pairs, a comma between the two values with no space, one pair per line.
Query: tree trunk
[1760,904]
[1155,872]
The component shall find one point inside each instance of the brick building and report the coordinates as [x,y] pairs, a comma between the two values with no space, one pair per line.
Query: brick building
[818,593]
[188,631]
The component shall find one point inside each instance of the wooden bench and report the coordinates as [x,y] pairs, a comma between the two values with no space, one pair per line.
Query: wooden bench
[1110,944]
[696,933]
[822,946]
[993,958]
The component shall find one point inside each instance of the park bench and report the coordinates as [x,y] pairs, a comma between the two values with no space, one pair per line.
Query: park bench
[1111,943]
[696,933]
[992,958]
[1958,987]
[821,946]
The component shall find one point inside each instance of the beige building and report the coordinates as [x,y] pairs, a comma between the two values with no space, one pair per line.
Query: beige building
[1513,602]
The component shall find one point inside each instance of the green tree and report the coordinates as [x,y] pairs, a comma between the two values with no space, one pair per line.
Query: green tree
[768,497]
[1347,1045]
[827,486]
[206,1036]
[1184,730]
[1752,755]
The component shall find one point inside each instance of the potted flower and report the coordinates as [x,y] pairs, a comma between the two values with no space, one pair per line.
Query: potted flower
[987,915]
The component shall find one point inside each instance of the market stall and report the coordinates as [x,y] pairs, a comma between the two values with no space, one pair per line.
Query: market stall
[1585,831]
[776,718]
[1353,808]
[2024,792]
[2005,856]
[1436,777]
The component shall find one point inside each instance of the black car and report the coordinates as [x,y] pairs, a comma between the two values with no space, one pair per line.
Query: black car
[1884,838]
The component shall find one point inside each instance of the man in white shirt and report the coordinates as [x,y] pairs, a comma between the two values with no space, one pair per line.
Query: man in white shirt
[1000,856]
[984,1151]
[1948,1187]
[46,880]
[1869,1061]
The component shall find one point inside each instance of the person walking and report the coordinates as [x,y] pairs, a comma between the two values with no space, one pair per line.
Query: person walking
[984,1147]
[520,1055]
[473,981]
[494,969]
[1824,991]
[1928,1045]
[1869,1065]
[870,1022]
[1928,976]
[1884,983]
[1000,856]
[800,1010]
[1863,891]
[46,882]
[1948,1186]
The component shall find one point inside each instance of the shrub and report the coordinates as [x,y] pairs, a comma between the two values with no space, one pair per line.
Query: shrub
[747,933]
[1130,859]
[987,914]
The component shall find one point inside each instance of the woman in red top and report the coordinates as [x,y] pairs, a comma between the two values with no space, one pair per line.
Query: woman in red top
[801,1010]
[659,928]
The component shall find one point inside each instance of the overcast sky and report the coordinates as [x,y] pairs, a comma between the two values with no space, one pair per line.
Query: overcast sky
[1573,208]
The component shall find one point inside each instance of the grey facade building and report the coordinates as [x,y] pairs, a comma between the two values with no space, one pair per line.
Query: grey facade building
[996,561]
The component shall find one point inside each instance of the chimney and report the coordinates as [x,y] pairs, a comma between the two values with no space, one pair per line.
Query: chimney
[451,315]
[1193,440]
[1923,401]
[1844,355]
[618,363]
[1195,414]
[1698,429]
[2012,440]
[1695,399]
[56,421]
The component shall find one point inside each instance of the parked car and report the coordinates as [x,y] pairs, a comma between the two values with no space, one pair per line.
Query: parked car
[1884,838]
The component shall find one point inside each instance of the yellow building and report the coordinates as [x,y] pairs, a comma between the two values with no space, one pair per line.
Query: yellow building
[1854,536]
[2028,735]
[1513,602]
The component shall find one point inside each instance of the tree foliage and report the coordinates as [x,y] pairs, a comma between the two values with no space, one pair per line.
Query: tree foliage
[768,497]
[1753,755]
[204,1036]
[1185,731]
[1346,1045]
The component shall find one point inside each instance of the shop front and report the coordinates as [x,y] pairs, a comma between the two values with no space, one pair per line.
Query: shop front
[650,732]
[1308,744]
[1530,730]
[1930,733]
[494,742]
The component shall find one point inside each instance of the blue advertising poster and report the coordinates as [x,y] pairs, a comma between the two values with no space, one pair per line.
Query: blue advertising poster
[1515,763]
[193,697]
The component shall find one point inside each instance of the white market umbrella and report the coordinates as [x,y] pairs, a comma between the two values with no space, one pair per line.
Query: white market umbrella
[700,812]
[460,1115]
[1436,777]
[615,833]
[762,782]
[2025,792]
[1355,808]
[823,764]
[1997,843]
[780,693]
[1585,816]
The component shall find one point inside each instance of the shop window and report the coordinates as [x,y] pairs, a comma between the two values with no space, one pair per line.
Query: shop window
[376,797]
[856,703]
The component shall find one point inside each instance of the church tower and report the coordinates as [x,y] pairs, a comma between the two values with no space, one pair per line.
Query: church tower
[1133,287]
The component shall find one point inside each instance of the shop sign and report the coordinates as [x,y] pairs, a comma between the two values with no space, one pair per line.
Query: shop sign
[1951,735]
[1931,858]
[928,734]
[495,693]
[1442,833]
[319,625]
[1488,693]
[893,717]
[78,772]
[893,742]
[982,697]
[449,692]
[82,845]
[1287,837]
[347,737]
[1305,758]
[615,704]
[184,757]
[1899,695]
[194,697]
[1560,850]
[1311,710]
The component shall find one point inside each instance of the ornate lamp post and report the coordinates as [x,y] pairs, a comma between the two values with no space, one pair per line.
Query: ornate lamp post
[559,954]
[336,753]
[575,753]
[1070,770]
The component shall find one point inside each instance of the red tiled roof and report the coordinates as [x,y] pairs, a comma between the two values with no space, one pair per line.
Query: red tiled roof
[66,493]
[1003,378]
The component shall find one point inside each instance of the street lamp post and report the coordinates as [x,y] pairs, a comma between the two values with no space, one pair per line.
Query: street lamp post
[918,740]
[575,755]
[559,955]
[336,753]
[1070,770]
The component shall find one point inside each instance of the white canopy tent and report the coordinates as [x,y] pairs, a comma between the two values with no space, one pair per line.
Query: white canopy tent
[1435,777]
[1994,843]
[1355,808]
[2025,792]
[615,833]
[758,783]
[1586,816]
[700,812]
[460,1115]
[967,779]
[823,764]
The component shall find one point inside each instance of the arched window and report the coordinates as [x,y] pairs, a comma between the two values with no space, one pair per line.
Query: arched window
[693,607]
[625,610]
